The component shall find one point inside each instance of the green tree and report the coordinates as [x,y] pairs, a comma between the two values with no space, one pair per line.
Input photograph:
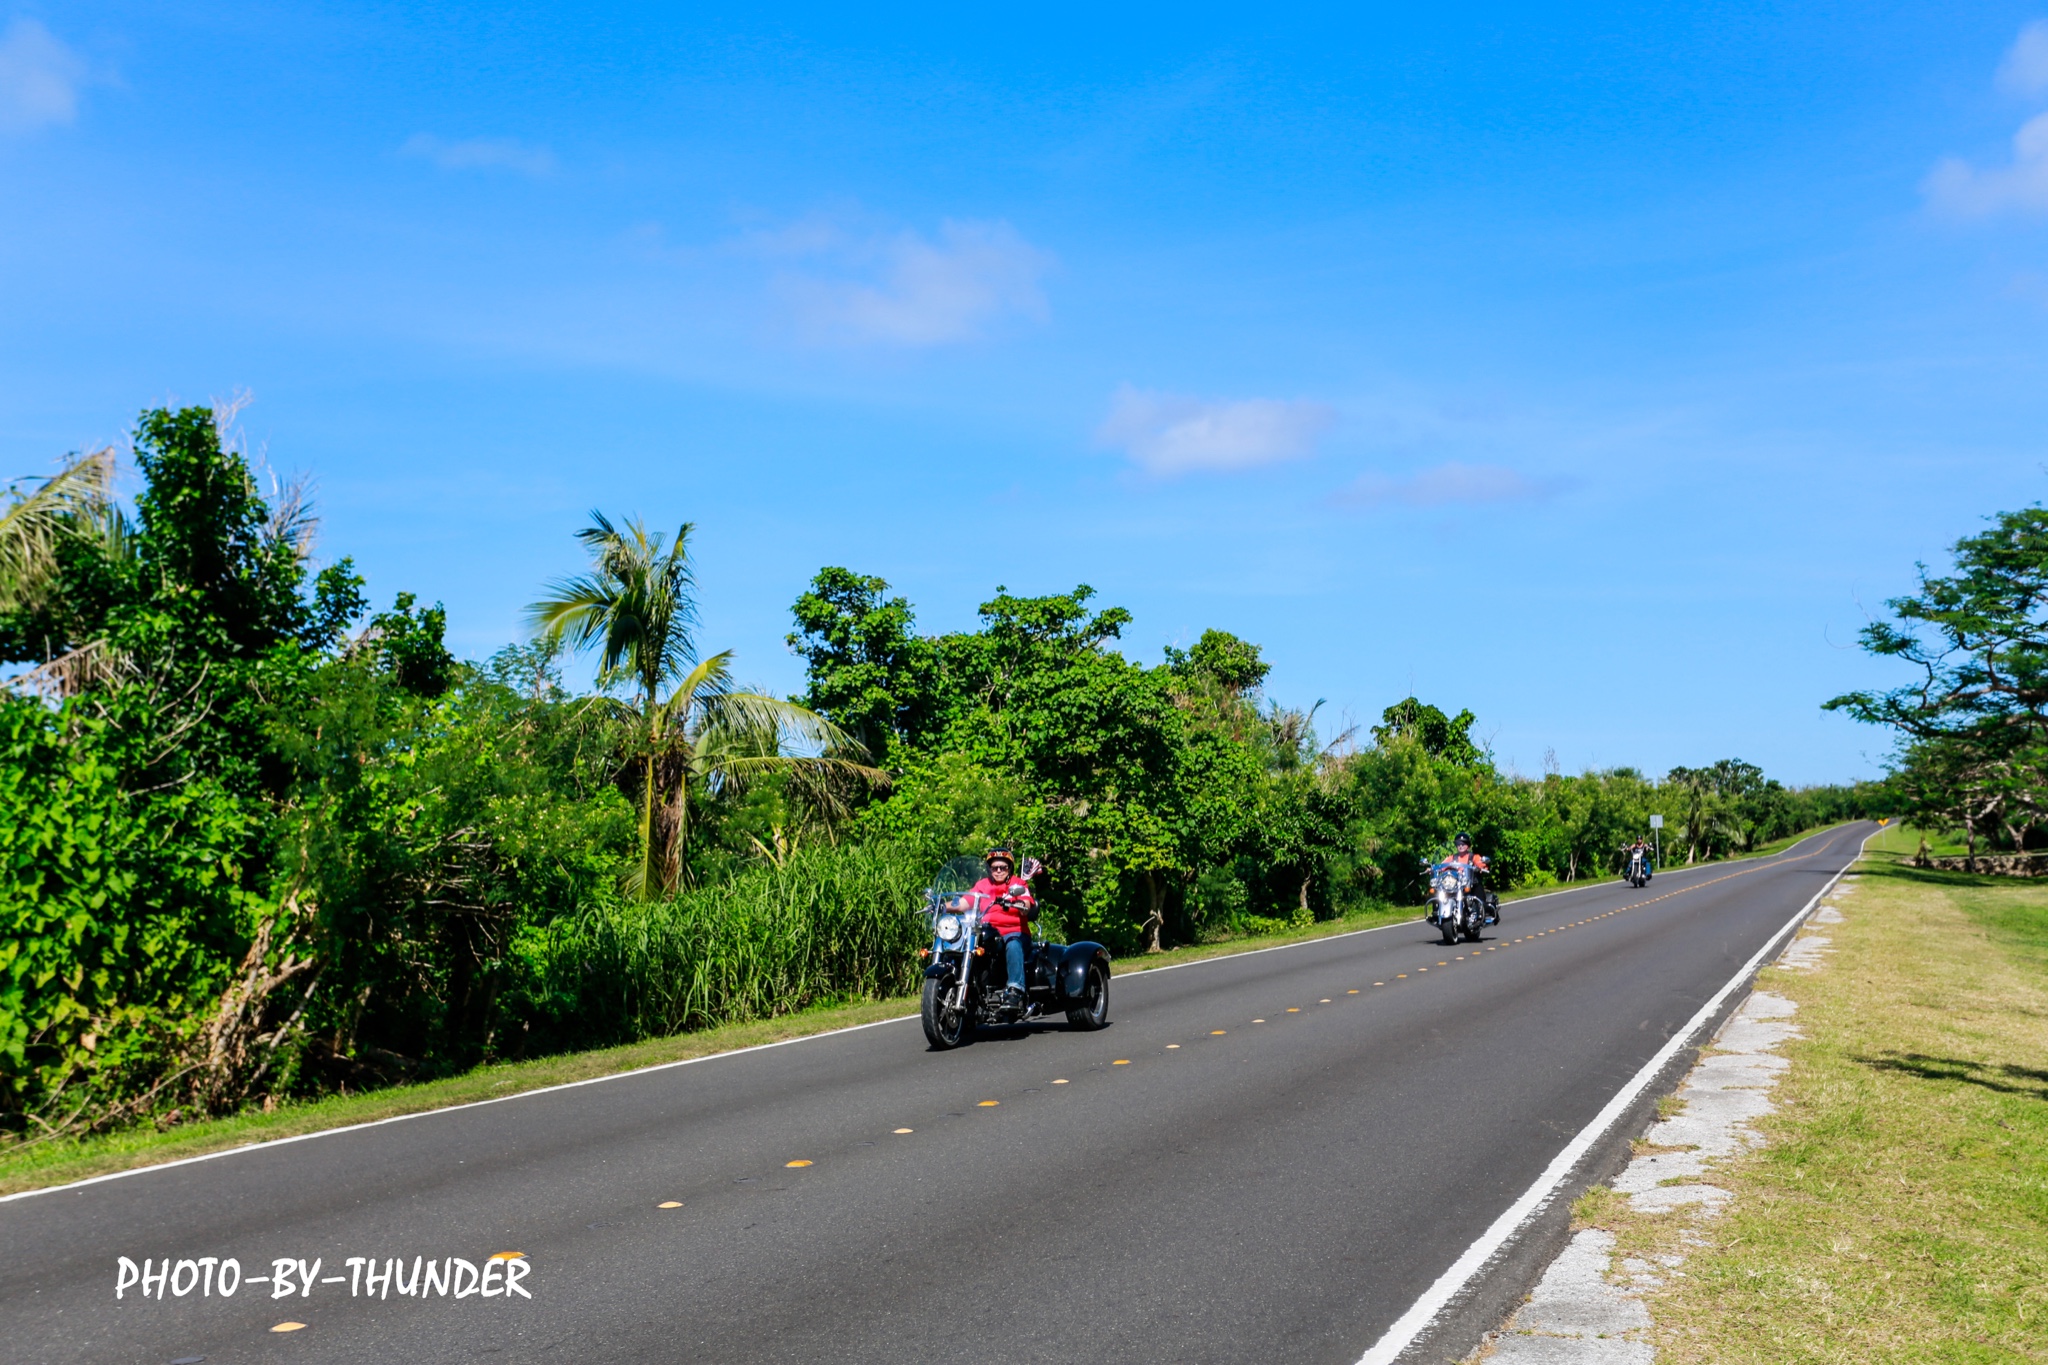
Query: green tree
[183,931]
[687,726]
[868,671]
[1977,640]
[1441,736]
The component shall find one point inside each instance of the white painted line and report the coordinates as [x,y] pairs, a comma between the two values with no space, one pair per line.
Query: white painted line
[1425,1310]
[448,1109]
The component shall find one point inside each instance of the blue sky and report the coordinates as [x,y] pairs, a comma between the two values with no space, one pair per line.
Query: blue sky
[1598,369]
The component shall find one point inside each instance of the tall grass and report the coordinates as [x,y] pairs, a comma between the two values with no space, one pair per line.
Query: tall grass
[829,924]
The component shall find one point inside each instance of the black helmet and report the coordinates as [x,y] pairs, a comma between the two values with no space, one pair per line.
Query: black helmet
[1463,838]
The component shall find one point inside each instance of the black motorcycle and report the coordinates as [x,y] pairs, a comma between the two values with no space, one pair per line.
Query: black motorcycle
[967,976]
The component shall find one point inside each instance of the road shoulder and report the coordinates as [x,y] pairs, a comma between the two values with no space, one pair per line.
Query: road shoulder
[1858,1168]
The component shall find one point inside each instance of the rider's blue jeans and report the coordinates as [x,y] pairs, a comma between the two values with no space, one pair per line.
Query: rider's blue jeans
[1013,958]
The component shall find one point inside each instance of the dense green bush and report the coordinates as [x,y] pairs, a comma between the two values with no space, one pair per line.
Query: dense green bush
[827,924]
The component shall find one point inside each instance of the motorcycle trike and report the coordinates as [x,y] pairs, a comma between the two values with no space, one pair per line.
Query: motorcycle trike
[966,977]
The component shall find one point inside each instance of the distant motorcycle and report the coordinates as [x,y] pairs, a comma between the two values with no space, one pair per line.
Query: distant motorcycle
[965,977]
[1637,873]
[1455,908]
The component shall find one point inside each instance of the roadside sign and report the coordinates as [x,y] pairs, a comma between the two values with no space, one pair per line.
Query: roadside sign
[1656,822]
[1883,821]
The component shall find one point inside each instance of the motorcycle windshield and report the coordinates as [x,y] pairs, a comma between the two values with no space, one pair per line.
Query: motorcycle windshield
[960,874]
[956,875]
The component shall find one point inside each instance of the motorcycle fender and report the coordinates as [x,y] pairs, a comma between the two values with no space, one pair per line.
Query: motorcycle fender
[1071,974]
[941,969]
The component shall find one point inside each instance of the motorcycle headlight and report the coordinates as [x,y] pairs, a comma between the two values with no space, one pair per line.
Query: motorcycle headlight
[949,927]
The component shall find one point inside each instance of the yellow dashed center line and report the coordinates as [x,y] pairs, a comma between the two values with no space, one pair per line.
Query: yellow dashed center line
[671,1204]
[988,1104]
[793,1165]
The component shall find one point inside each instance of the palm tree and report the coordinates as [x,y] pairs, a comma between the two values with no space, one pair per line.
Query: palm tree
[73,501]
[689,726]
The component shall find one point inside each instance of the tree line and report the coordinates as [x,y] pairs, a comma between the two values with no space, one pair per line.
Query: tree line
[263,841]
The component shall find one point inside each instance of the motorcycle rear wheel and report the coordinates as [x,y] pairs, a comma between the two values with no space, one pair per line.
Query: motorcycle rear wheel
[945,1028]
[1094,1010]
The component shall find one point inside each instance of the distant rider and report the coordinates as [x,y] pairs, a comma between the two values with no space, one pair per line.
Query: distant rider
[1476,865]
[1639,849]
[1009,912]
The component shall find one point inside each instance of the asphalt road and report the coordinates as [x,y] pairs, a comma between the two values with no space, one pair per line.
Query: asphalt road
[1266,1158]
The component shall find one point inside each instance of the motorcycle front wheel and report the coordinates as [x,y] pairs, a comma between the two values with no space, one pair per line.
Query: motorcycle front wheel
[945,1028]
[1093,1011]
[1450,926]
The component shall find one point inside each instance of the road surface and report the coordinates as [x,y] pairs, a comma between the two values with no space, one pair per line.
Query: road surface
[1265,1158]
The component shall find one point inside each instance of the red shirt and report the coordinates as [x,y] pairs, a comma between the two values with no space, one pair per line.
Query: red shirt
[1004,918]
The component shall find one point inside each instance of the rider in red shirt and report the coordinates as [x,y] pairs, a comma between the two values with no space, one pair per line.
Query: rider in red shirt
[1008,908]
[1465,857]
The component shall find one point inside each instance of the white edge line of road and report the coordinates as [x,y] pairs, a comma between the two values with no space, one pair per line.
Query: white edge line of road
[686,1061]
[1425,1310]
[443,1109]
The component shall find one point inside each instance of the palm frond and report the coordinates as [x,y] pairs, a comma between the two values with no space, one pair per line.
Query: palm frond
[292,521]
[793,726]
[637,604]
[69,502]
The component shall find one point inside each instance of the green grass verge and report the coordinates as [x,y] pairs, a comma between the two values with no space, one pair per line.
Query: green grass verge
[1900,1209]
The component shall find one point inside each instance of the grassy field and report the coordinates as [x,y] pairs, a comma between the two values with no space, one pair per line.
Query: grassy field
[59,1162]
[1900,1210]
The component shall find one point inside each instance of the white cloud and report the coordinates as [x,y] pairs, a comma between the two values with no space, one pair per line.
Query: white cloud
[1451,483]
[488,153]
[1962,190]
[905,289]
[2024,72]
[39,78]
[1169,434]
[1954,186]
